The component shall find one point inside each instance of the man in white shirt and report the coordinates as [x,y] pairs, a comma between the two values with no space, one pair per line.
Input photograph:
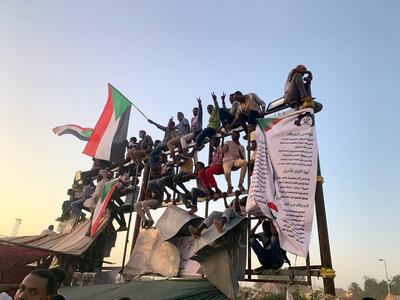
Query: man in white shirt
[49,230]
[234,156]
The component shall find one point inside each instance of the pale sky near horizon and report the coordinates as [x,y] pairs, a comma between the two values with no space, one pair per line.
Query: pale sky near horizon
[56,58]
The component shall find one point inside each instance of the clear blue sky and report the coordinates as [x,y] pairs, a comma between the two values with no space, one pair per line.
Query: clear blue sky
[56,58]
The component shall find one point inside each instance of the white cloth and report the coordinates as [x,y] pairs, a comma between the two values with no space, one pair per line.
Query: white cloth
[47,231]
[5,296]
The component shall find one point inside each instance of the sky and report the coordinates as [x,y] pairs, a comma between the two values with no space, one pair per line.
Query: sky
[56,58]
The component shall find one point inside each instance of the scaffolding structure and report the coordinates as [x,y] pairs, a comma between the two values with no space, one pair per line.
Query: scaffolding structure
[298,275]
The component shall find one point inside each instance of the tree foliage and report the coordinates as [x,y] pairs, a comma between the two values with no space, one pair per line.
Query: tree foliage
[375,289]
[372,288]
[356,291]
[395,285]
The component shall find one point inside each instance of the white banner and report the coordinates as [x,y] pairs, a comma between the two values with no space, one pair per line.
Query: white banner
[187,267]
[285,176]
[261,191]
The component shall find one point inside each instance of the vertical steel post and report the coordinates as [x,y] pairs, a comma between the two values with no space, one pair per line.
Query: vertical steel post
[129,222]
[142,196]
[324,248]
[248,215]
[308,268]
[249,248]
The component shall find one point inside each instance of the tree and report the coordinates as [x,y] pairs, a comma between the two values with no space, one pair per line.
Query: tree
[356,291]
[317,295]
[375,289]
[395,285]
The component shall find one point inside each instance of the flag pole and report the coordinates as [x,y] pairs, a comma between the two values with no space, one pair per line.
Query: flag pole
[130,102]
[139,111]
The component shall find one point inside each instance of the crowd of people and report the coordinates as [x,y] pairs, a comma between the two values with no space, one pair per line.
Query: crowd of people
[172,165]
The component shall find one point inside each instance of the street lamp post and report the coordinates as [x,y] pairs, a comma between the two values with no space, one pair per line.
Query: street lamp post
[387,277]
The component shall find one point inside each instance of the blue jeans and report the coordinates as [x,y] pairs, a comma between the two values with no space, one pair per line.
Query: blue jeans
[271,258]
[76,207]
[249,117]
[194,194]
[225,116]
[155,153]
[228,214]
[180,178]
[205,133]
[167,181]
[153,187]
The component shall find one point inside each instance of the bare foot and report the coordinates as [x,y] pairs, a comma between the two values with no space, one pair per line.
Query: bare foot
[194,232]
[193,210]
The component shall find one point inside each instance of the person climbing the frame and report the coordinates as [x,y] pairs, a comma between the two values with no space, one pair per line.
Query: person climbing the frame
[234,155]
[196,126]
[218,218]
[269,253]
[211,129]
[298,89]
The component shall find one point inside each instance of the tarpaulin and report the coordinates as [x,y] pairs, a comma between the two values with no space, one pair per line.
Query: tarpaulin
[154,290]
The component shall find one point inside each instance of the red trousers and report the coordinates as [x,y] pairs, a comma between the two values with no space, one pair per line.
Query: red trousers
[206,175]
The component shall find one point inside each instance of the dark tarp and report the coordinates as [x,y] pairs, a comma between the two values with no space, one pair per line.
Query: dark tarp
[142,290]
[15,255]
[22,250]
[17,252]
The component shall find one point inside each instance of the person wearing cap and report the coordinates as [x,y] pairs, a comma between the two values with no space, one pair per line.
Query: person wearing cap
[298,89]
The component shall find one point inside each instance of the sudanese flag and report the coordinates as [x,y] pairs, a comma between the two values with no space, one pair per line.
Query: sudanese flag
[108,140]
[101,206]
[81,133]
